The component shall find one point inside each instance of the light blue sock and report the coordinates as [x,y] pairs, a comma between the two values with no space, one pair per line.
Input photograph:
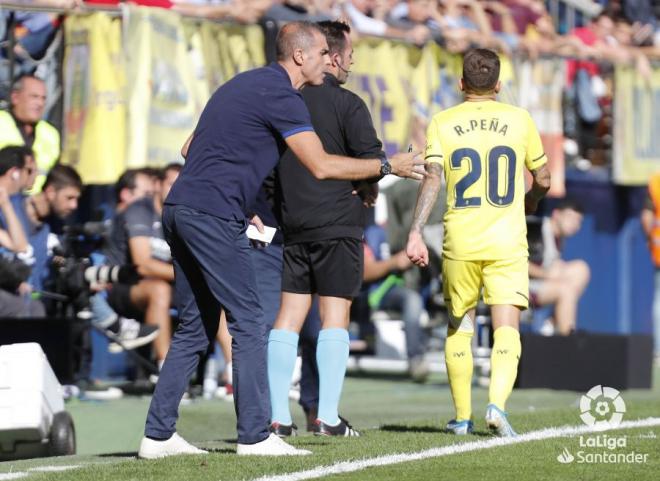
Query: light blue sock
[331,357]
[282,352]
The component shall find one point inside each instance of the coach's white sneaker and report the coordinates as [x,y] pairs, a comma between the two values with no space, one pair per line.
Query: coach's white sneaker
[152,449]
[271,446]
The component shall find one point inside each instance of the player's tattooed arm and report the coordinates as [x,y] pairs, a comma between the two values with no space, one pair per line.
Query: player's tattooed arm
[427,195]
[416,250]
[540,186]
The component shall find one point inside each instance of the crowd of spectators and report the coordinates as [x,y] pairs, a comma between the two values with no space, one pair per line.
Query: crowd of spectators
[623,31]
[507,25]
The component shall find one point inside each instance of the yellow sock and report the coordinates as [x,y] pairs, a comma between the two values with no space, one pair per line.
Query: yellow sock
[503,365]
[458,357]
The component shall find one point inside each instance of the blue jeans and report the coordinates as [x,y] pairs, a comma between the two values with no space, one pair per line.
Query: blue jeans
[267,263]
[410,304]
[213,270]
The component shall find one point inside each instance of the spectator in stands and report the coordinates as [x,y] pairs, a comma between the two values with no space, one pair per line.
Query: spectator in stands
[241,11]
[463,23]
[651,223]
[34,31]
[297,10]
[415,13]
[136,238]
[552,280]
[542,38]
[134,184]
[382,275]
[14,290]
[359,15]
[22,125]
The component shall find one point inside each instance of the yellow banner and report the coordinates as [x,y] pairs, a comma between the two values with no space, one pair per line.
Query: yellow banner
[94,104]
[380,76]
[636,118]
[161,98]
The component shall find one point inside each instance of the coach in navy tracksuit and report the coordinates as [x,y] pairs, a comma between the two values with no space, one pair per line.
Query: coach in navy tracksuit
[239,138]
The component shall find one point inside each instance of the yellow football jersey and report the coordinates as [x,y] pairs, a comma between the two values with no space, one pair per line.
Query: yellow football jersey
[483,147]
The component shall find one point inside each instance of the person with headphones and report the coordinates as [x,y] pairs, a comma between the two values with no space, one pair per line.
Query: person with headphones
[323,224]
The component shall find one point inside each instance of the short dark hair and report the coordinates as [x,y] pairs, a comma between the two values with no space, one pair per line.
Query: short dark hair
[335,33]
[481,70]
[173,166]
[13,156]
[62,176]
[569,203]
[127,181]
[295,35]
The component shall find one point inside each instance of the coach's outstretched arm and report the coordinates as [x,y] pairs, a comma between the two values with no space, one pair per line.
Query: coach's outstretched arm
[308,148]
[540,186]
[428,193]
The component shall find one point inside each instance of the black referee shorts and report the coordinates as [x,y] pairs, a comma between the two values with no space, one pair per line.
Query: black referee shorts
[328,268]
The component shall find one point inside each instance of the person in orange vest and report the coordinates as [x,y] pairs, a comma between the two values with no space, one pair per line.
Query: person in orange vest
[651,223]
[23,125]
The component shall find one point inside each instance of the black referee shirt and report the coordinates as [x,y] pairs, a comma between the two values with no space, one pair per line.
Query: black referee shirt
[312,209]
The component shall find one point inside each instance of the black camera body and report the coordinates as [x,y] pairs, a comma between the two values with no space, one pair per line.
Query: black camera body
[74,272]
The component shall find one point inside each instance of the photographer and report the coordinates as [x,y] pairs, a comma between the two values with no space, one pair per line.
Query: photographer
[59,199]
[136,238]
[15,298]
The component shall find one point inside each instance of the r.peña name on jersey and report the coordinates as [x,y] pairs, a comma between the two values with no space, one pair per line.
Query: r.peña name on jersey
[489,125]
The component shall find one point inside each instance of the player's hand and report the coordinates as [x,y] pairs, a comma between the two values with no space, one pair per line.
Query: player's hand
[416,250]
[530,205]
[408,164]
[367,192]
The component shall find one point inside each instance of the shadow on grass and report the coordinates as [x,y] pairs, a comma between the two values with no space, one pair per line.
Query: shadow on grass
[126,454]
[405,428]
[393,377]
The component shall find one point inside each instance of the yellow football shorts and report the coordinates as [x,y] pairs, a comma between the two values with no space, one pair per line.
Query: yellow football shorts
[505,282]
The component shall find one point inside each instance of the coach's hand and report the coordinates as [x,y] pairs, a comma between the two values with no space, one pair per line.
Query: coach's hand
[416,249]
[368,192]
[258,223]
[408,164]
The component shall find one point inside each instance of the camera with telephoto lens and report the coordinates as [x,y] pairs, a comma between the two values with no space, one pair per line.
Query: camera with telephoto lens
[74,272]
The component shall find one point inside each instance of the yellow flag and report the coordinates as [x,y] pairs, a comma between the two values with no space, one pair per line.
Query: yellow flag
[94,104]
[161,98]
[636,119]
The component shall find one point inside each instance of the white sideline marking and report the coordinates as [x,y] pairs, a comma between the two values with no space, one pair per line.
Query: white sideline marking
[52,469]
[16,475]
[40,469]
[549,433]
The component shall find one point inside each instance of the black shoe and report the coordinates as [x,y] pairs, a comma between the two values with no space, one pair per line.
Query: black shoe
[284,430]
[343,429]
[131,334]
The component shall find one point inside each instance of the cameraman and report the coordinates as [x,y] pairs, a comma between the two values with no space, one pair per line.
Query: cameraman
[136,238]
[15,298]
[59,199]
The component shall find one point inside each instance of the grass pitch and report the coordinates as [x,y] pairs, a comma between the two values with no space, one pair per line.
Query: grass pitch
[395,416]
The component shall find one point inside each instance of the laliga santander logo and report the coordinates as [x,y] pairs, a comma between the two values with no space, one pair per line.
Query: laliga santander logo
[602,407]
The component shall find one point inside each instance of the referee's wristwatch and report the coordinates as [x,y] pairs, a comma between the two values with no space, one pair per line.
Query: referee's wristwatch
[385,167]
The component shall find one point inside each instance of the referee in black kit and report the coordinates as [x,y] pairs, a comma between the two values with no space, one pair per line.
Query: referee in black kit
[323,224]
[237,142]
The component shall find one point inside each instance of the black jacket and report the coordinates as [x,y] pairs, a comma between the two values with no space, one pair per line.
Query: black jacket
[314,209]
